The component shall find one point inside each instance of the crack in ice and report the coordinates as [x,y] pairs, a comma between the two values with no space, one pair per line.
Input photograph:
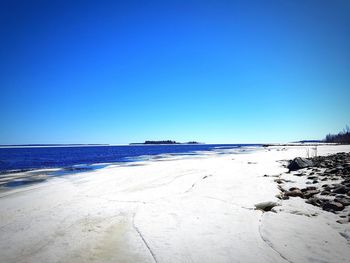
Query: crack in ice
[268,243]
[228,202]
[143,239]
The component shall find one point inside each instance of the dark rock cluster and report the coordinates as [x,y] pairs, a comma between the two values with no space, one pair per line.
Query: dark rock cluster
[329,180]
[299,163]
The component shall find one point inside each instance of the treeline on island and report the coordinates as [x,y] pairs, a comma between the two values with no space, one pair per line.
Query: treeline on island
[169,142]
[161,142]
[341,137]
[166,142]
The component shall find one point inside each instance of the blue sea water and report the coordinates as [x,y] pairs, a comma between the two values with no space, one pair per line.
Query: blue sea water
[28,158]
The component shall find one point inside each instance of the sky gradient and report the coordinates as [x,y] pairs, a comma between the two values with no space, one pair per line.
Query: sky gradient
[211,71]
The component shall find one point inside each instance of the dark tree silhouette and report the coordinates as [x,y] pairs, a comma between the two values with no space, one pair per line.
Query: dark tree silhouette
[161,142]
[341,137]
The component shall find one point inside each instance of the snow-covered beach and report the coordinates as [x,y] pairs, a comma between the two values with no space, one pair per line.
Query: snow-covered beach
[180,209]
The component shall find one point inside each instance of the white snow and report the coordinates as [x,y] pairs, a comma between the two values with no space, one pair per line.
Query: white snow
[191,209]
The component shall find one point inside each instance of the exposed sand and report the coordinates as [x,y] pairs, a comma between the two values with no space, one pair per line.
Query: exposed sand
[193,209]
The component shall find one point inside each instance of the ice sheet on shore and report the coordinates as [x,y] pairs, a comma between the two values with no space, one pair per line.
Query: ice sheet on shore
[181,210]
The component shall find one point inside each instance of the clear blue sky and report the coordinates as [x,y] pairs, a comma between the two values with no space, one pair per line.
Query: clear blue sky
[212,71]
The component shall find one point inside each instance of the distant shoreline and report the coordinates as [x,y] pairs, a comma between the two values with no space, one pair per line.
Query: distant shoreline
[53,144]
[48,145]
[4,146]
[164,142]
[299,144]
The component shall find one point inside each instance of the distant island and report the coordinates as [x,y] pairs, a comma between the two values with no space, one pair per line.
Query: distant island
[161,142]
[164,142]
[309,141]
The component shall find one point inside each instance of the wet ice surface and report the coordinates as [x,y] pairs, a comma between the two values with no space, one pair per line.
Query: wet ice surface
[22,178]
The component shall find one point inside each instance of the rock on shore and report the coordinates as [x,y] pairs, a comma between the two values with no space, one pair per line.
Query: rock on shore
[328,183]
[299,163]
